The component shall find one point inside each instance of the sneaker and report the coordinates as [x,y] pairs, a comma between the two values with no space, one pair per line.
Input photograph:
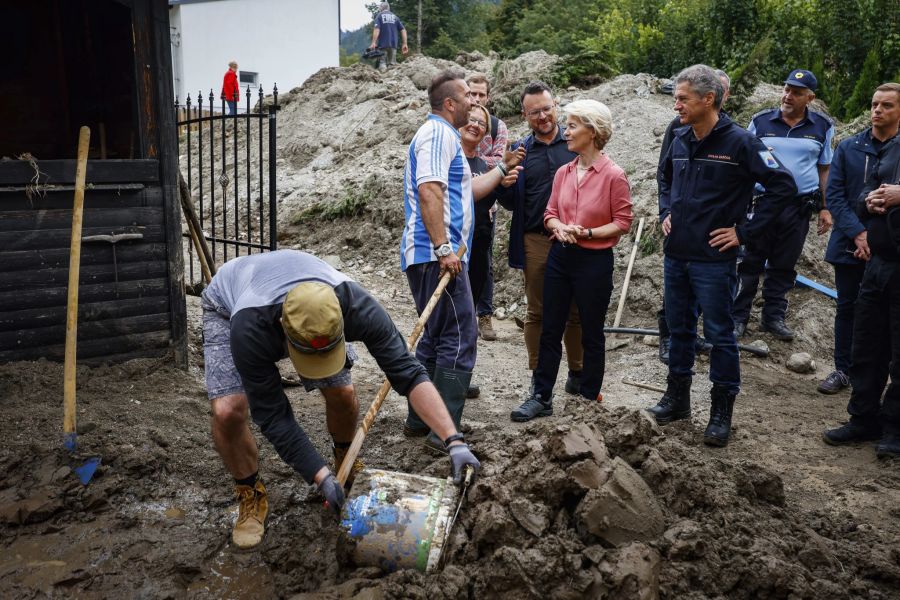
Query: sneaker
[573,383]
[834,383]
[252,512]
[533,407]
[473,391]
[701,346]
[778,329]
[740,329]
[358,465]
[486,328]
[851,433]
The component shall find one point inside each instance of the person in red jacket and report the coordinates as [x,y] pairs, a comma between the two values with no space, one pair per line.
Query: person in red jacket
[231,92]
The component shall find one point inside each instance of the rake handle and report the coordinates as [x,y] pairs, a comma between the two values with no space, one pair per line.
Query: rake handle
[369,419]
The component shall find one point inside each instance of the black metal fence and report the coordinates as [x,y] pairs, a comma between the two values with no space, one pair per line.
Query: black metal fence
[229,163]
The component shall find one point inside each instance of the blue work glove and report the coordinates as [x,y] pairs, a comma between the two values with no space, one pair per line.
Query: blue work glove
[333,492]
[460,456]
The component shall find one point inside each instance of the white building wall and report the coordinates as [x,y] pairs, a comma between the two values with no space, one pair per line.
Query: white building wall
[285,41]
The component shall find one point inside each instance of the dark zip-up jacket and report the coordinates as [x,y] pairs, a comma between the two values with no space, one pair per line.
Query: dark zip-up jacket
[852,167]
[708,184]
[540,164]
[883,230]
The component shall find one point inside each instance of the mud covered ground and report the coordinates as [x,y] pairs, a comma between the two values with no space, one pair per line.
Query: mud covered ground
[595,501]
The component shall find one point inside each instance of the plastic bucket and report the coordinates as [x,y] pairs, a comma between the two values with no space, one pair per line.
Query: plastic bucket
[396,520]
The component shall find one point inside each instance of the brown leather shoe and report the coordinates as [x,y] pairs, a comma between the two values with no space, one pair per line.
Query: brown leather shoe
[251,522]
[486,328]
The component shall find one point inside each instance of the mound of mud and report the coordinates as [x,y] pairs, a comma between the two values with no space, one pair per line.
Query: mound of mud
[602,504]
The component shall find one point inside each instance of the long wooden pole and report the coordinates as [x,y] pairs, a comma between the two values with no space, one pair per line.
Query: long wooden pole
[69,418]
[369,419]
[624,294]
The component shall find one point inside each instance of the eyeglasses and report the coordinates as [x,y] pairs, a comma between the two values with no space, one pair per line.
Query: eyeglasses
[537,111]
[477,123]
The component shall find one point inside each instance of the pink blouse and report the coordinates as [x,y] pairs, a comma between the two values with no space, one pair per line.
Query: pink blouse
[602,197]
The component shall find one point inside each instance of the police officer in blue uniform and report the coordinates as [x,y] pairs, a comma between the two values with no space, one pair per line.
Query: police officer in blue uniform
[801,140]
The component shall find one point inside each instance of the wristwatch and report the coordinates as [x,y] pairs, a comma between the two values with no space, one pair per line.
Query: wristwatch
[443,250]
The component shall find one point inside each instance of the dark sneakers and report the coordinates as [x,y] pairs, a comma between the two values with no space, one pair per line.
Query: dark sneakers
[834,383]
[851,433]
[573,383]
[532,408]
[675,403]
[473,391]
[740,329]
[778,329]
[889,446]
[719,428]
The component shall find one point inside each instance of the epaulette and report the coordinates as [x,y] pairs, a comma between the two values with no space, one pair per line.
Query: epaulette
[819,113]
[764,111]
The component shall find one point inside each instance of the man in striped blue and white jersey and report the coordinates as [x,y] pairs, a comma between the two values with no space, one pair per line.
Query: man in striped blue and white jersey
[438,199]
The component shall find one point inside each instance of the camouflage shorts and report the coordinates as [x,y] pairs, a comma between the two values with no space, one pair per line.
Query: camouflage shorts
[222,377]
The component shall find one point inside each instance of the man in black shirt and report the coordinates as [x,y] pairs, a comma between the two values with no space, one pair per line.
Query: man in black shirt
[529,244]
[876,322]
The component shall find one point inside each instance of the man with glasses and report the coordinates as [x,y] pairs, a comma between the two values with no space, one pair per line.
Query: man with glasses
[529,242]
[438,195]
[261,308]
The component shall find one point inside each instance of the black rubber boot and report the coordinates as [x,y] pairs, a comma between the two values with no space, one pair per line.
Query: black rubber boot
[665,342]
[719,428]
[452,385]
[675,404]
[414,426]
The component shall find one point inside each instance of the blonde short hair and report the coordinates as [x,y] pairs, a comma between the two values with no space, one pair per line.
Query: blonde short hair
[594,115]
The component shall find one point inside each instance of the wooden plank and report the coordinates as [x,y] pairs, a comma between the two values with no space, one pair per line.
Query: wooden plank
[90,349]
[15,172]
[59,238]
[30,220]
[90,292]
[90,330]
[32,318]
[91,254]
[167,132]
[148,197]
[105,273]
[160,351]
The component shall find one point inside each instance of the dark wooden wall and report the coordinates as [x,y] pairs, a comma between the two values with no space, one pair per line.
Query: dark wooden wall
[131,304]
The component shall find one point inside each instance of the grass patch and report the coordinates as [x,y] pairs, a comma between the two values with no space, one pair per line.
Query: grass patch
[353,204]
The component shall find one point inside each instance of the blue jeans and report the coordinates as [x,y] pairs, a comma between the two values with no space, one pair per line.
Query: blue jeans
[232,106]
[847,279]
[710,286]
[585,276]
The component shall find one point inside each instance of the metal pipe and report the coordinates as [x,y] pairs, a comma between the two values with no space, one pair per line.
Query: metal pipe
[655,332]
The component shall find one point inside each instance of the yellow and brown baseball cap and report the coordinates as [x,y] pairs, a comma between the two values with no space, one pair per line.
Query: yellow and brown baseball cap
[314,327]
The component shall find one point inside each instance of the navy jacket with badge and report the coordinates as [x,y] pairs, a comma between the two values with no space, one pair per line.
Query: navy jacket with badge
[708,185]
[851,169]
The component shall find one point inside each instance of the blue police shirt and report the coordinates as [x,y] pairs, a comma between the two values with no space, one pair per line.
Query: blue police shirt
[801,148]
[389,26]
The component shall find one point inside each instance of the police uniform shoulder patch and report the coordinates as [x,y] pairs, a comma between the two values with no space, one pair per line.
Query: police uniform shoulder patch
[767,158]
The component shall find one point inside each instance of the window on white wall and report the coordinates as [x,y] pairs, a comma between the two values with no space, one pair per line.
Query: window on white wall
[250,78]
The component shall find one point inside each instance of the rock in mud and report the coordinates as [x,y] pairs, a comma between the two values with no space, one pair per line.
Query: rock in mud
[801,362]
[632,573]
[37,508]
[623,510]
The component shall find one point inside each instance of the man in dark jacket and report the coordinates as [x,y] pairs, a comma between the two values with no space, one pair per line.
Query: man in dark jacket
[876,323]
[529,242]
[387,30]
[706,184]
[851,169]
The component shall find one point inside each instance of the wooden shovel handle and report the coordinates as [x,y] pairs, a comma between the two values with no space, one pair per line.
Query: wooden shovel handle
[624,294]
[84,140]
[369,419]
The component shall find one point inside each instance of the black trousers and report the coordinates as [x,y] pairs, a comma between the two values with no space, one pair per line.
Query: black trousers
[781,246]
[876,347]
[847,279]
[585,276]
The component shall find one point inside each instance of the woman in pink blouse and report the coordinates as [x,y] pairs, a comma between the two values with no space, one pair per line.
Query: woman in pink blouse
[589,209]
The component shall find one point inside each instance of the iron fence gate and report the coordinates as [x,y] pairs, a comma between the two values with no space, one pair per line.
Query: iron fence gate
[228,161]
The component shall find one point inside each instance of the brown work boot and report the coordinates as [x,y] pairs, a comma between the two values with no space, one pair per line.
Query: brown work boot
[251,522]
[486,328]
[339,454]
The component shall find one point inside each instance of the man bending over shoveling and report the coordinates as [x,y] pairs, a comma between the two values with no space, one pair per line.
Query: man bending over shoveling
[261,308]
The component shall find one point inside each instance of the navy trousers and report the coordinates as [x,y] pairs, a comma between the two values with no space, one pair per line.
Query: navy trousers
[584,275]
[847,279]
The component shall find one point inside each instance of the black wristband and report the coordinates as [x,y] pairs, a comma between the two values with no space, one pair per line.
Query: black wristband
[590,233]
[456,437]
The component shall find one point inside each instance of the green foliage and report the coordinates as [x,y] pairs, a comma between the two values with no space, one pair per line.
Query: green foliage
[585,68]
[352,205]
[348,59]
[745,77]
[868,80]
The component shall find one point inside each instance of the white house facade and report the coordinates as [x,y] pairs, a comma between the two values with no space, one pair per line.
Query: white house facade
[273,41]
